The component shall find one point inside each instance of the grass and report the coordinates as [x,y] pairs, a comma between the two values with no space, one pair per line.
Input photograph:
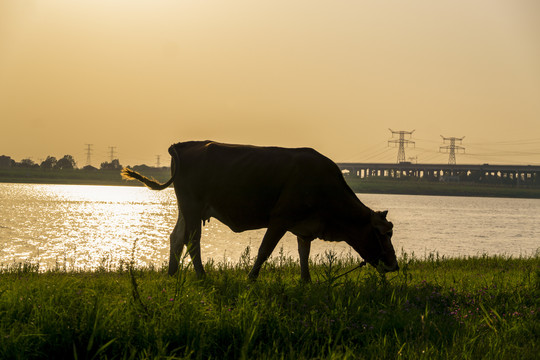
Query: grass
[467,308]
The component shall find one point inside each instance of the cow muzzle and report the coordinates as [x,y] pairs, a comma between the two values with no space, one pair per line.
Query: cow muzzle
[384,268]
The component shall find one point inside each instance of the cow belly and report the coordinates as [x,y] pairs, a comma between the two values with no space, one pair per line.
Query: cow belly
[308,229]
[238,220]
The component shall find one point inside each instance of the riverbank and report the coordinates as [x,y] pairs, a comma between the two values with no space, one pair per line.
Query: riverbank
[76,176]
[473,308]
[371,185]
[415,187]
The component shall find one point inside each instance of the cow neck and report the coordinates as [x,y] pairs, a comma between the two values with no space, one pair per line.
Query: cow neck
[361,210]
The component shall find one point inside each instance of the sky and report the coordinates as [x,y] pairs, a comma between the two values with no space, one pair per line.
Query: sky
[140,75]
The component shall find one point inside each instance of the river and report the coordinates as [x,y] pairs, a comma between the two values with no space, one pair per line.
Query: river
[84,227]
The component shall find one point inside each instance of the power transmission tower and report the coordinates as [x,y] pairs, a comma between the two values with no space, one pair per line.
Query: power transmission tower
[111,148]
[452,148]
[402,142]
[89,154]
[157,160]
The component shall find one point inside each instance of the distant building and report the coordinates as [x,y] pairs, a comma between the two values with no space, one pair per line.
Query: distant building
[6,162]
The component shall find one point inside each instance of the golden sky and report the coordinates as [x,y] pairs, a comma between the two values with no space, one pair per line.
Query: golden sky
[140,75]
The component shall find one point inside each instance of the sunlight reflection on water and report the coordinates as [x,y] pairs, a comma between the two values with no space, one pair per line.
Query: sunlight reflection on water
[83,227]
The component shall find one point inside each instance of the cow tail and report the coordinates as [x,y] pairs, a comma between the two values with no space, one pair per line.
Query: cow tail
[129,174]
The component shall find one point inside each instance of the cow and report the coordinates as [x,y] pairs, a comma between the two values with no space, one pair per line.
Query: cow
[281,189]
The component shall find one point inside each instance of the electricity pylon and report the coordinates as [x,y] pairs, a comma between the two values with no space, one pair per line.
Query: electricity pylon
[89,154]
[452,148]
[111,148]
[402,142]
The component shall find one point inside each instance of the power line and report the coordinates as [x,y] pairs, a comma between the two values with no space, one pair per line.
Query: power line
[378,154]
[510,142]
[367,151]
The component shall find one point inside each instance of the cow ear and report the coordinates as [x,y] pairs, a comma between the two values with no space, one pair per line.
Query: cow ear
[380,223]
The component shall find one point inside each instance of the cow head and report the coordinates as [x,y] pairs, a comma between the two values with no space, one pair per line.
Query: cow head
[373,243]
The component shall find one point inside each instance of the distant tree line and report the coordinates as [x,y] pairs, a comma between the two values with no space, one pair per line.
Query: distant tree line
[67,162]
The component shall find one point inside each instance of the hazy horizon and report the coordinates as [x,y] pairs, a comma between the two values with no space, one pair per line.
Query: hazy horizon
[141,75]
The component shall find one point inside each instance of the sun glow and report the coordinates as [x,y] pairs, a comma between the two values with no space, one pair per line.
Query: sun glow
[286,73]
[83,227]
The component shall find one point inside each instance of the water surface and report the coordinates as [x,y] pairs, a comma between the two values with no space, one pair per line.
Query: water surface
[83,227]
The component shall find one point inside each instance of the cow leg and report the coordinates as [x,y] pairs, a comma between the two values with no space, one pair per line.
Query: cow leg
[194,248]
[193,242]
[177,240]
[304,246]
[269,242]
[188,234]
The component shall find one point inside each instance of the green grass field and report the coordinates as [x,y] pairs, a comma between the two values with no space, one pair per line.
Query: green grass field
[436,308]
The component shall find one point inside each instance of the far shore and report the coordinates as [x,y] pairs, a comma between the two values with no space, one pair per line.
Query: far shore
[415,187]
[372,185]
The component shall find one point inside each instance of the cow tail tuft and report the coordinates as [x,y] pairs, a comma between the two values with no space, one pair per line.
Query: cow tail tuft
[129,174]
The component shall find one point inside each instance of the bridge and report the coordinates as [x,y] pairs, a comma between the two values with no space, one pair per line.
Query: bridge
[519,174]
